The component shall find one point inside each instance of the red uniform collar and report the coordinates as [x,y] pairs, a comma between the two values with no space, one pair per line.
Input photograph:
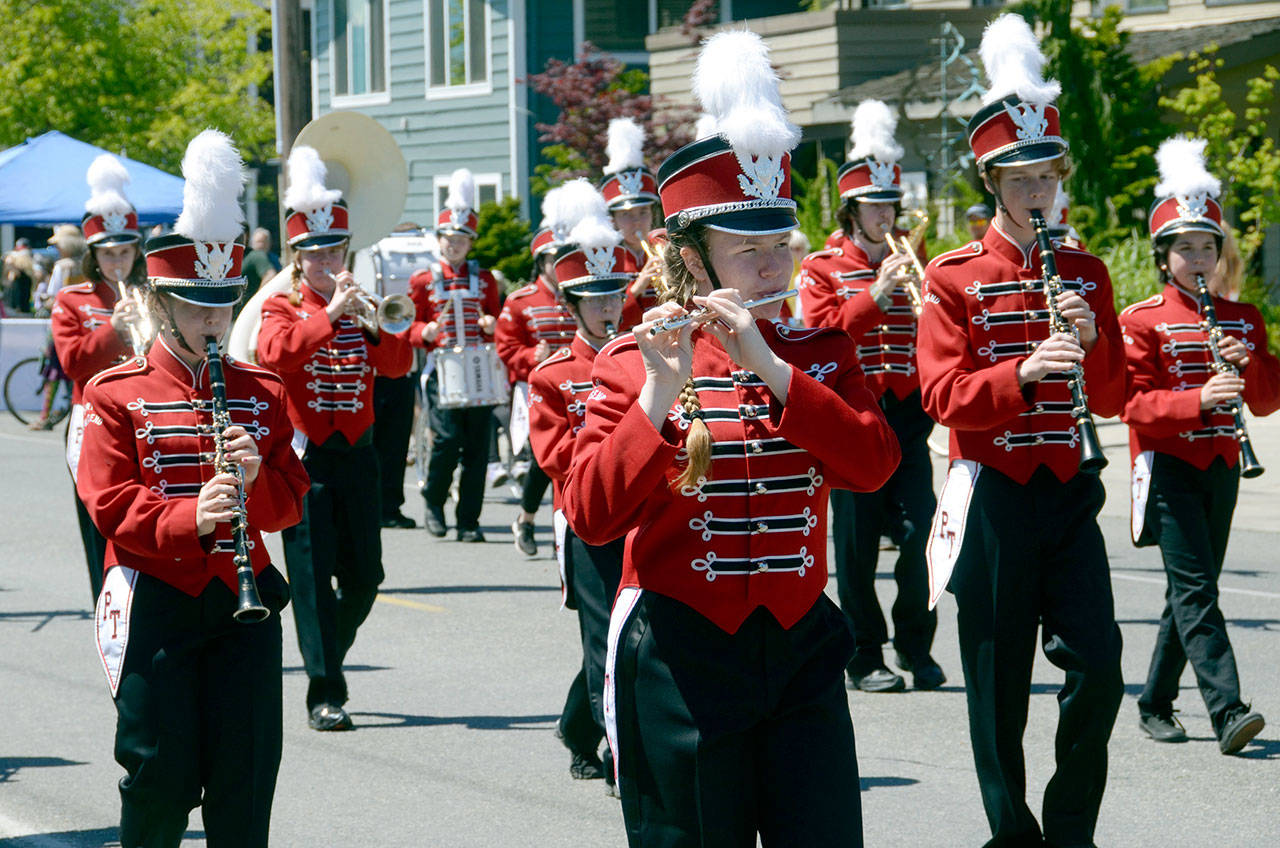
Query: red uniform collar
[162,357]
[1001,243]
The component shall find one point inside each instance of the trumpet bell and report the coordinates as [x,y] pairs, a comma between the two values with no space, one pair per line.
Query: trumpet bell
[395,313]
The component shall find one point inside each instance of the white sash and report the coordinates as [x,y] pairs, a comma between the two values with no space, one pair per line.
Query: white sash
[112,617]
[946,536]
[75,438]
[1140,487]
[628,597]
[519,430]
[299,442]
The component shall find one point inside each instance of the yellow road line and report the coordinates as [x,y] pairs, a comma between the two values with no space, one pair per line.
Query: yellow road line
[418,605]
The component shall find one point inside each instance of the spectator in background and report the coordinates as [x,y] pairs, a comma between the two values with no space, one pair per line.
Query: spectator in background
[260,263]
[21,274]
[799,246]
[978,217]
[71,246]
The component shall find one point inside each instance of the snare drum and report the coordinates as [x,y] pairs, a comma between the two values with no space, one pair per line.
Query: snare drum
[471,376]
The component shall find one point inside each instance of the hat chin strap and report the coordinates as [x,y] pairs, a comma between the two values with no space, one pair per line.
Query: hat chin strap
[706,263]
[173,327]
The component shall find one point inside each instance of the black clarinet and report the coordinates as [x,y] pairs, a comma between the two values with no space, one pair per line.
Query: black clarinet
[249,608]
[1092,459]
[1249,465]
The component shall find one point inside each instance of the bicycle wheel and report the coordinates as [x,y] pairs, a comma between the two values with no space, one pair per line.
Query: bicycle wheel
[61,407]
[23,386]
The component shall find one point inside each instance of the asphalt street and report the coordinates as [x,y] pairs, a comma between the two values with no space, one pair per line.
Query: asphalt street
[460,672]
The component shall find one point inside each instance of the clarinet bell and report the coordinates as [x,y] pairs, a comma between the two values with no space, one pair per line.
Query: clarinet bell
[1249,465]
[1092,459]
[249,608]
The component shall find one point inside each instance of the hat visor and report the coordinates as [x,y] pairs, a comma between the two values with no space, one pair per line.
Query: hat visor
[618,204]
[319,242]
[1173,228]
[890,195]
[1045,151]
[752,222]
[598,288]
[115,239]
[204,295]
[446,230]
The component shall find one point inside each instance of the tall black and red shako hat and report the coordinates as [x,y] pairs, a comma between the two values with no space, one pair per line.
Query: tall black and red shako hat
[872,172]
[109,217]
[1018,123]
[594,263]
[459,214]
[627,182]
[738,180]
[315,216]
[1186,194]
[200,261]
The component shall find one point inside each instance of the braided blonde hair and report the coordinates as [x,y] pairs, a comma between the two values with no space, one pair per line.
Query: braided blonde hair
[295,280]
[678,285]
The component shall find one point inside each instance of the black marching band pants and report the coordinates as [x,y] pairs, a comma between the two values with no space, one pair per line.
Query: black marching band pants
[905,505]
[721,737]
[339,537]
[1189,515]
[592,573]
[198,715]
[536,482]
[1033,559]
[392,425]
[458,435]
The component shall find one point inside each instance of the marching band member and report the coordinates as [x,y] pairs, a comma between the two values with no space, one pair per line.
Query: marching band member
[1184,446]
[712,448]
[632,195]
[593,281]
[1017,518]
[197,693]
[311,337]
[858,286]
[534,324]
[454,286]
[91,320]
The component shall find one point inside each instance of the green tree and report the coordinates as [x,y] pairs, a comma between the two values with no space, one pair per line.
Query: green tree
[504,240]
[816,201]
[141,77]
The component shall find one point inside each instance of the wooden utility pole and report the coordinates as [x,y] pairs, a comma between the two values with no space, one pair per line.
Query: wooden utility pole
[291,82]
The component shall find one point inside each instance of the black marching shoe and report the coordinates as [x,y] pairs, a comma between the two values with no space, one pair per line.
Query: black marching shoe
[1162,727]
[471,534]
[523,533]
[329,717]
[926,674]
[586,767]
[1238,730]
[877,680]
[434,521]
[398,520]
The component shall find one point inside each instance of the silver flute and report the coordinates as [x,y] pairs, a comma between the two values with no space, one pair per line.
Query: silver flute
[669,324]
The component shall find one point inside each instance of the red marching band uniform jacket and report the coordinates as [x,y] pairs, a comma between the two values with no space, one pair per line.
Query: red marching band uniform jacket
[835,292]
[82,332]
[1168,356]
[558,390]
[147,432]
[635,305]
[753,533]
[984,314]
[328,368]
[530,315]
[433,292]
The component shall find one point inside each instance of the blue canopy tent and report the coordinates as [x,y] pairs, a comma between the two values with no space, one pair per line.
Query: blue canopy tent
[42,184]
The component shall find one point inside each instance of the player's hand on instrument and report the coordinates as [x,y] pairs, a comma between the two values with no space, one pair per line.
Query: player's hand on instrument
[738,333]
[215,503]
[123,314]
[1076,310]
[345,300]
[648,274]
[243,450]
[487,324]
[1056,354]
[1234,351]
[1220,388]
[430,331]
[668,360]
[542,351]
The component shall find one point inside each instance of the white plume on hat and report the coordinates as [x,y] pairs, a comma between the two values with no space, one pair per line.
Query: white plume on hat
[107,178]
[577,200]
[626,146]
[705,127]
[306,191]
[1014,63]
[215,178]
[1061,203]
[1180,161]
[736,85]
[595,232]
[462,191]
[873,127]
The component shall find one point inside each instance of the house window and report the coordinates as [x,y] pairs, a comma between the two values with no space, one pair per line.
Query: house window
[457,43]
[488,190]
[359,47]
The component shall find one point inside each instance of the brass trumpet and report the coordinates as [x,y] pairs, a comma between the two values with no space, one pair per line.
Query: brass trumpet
[910,245]
[142,330]
[392,313]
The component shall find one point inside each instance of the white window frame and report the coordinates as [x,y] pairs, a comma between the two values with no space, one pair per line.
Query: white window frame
[472,89]
[440,190]
[371,98]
